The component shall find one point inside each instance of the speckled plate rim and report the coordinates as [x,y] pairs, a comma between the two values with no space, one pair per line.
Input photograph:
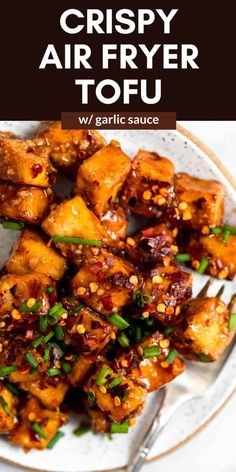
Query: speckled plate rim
[212,156]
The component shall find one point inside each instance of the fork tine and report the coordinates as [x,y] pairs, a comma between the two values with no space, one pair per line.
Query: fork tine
[232,303]
[204,289]
[221,291]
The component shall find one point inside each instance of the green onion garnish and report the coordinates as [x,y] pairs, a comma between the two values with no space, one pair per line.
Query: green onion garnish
[225,237]
[119,428]
[116,381]
[171,356]
[91,398]
[141,298]
[203,358]
[31,359]
[5,371]
[37,429]
[152,351]
[77,309]
[73,240]
[13,389]
[46,354]
[37,341]
[123,340]
[66,367]
[58,435]
[59,332]
[48,336]
[5,406]
[184,257]
[53,371]
[118,321]
[55,312]
[57,347]
[43,323]
[203,265]
[25,309]
[50,290]
[82,430]
[138,334]
[102,376]
[149,321]
[232,321]
[13,225]
[217,230]
[168,330]
[229,228]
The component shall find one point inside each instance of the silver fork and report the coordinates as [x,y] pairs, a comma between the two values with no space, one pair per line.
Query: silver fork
[195,382]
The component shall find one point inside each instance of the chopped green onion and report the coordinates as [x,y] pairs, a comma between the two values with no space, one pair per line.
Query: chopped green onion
[152,351]
[141,298]
[138,334]
[203,358]
[91,398]
[43,323]
[226,236]
[46,354]
[171,356]
[58,435]
[77,309]
[116,381]
[119,428]
[31,359]
[5,371]
[184,257]
[37,429]
[229,228]
[5,406]
[57,347]
[66,367]
[53,311]
[53,371]
[37,341]
[168,330]
[48,336]
[118,321]
[123,340]
[102,376]
[25,309]
[203,265]
[217,230]
[13,225]
[13,389]
[50,290]
[73,240]
[149,321]
[59,332]
[82,430]
[232,321]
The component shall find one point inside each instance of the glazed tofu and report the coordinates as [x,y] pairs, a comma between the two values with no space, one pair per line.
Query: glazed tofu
[221,255]
[115,223]
[204,333]
[29,204]
[81,369]
[101,177]
[199,202]
[74,219]
[50,391]
[32,254]
[165,291]
[100,421]
[68,148]
[151,246]
[106,282]
[17,289]
[86,330]
[33,413]
[23,162]
[149,190]
[7,410]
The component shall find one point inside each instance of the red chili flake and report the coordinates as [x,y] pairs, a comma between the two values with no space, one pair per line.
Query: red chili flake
[148,232]
[36,170]
[101,277]
[107,302]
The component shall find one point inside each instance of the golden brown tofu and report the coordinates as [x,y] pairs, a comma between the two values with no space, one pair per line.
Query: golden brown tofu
[101,177]
[200,202]
[33,413]
[165,291]
[73,219]
[23,162]
[29,204]
[86,330]
[115,223]
[106,282]
[68,147]
[50,391]
[124,401]
[148,191]
[81,369]
[100,421]
[32,254]
[221,255]
[204,333]
[7,410]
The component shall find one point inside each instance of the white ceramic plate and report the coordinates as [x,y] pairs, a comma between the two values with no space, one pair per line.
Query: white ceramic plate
[93,452]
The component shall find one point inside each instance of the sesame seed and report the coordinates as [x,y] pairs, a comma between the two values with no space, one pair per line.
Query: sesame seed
[223,273]
[32,416]
[187,215]
[80,329]
[117,401]
[177,310]
[130,241]
[100,292]
[164,343]
[140,350]
[164,364]
[161,308]
[195,264]
[145,314]
[93,287]
[183,205]
[166,261]
[132,421]
[161,201]
[205,230]
[2,324]
[164,191]
[16,315]
[57,364]
[174,248]
[64,316]
[31,302]
[157,279]
[81,291]
[133,280]
[175,232]
[124,363]
[103,389]
[147,195]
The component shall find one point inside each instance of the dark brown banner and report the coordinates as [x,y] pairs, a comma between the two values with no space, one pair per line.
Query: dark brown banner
[118,120]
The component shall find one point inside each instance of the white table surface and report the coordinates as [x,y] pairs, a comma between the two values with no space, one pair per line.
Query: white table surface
[214,448]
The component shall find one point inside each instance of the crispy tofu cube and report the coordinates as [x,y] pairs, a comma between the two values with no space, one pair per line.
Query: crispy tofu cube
[86,330]
[204,333]
[74,219]
[165,291]
[149,191]
[7,410]
[50,391]
[29,204]
[23,162]
[222,255]
[68,148]
[151,246]
[106,282]
[120,403]
[100,421]
[101,177]
[32,254]
[49,421]
[200,202]
[115,223]
[81,369]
